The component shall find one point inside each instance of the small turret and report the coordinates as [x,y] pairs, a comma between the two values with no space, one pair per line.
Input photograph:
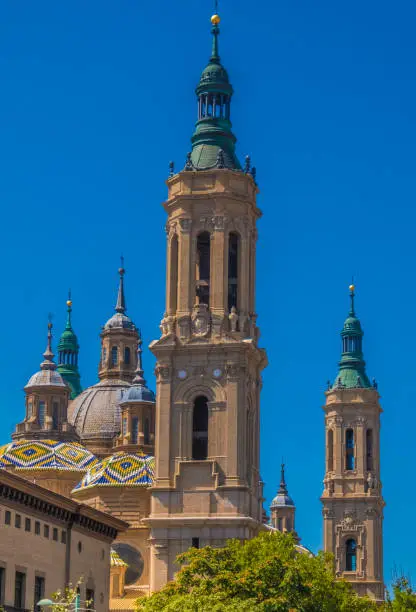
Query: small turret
[213,143]
[47,396]
[137,413]
[119,339]
[68,351]
[352,372]
[282,509]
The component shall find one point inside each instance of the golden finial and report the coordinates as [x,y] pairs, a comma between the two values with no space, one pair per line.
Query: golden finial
[69,300]
[352,288]
[215,19]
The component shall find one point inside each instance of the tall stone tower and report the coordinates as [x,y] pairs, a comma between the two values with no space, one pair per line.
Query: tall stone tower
[352,499]
[207,484]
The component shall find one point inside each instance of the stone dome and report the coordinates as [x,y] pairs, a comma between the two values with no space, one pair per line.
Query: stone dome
[282,500]
[120,469]
[138,393]
[119,320]
[46,378]
[46,455]
[96,411]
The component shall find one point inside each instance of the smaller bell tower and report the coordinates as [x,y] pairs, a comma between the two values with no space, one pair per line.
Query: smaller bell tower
[352,498]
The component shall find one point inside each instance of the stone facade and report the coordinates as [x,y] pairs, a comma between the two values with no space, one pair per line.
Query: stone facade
[352,499]
[207,483]
[47,541]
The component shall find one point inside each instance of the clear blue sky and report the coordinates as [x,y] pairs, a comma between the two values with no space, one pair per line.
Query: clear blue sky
[97,98]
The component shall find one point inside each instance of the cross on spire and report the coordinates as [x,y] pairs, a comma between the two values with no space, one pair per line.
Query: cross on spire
[121,301]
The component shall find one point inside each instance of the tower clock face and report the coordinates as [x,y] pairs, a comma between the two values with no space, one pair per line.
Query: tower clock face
[182,374]
[217,373]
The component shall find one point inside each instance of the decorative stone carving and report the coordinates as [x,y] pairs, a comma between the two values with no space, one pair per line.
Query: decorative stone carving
[216,325]
[199,371]
[233,317]
[185,224]
[232,370]
[167,325]
[200,320]
[162,372]
[213,222]
[372,482]
[184,324]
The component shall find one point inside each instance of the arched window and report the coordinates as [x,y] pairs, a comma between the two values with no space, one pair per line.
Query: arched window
[330,450]
[104,356]
[173,274]
[127,355]
[134,430]
[146,433]
[124,429]
[203,266]
[349,449]
[114,356]
[42,414]
[200,429]
[233,256]
[369,448]
[351,555]
[280,524]
[29,408]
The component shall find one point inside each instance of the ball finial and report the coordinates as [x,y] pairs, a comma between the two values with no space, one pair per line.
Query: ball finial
[352,288]
[69,303]
[215,19]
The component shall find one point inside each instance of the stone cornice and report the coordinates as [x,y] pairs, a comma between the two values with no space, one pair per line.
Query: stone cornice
[19,491]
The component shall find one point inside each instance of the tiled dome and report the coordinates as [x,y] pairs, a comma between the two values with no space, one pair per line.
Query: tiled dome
[46,378]
[96,411]
[46,455]
[121,469]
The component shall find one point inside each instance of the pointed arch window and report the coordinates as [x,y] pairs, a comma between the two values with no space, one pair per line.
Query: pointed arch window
[349,449]
[127,355]
[351,555]
[200,429]
[369,448]
[114,356]
[330,450]
[203,267]
[233,264]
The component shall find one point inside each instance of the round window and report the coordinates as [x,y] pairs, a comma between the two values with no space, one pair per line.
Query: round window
[134,560]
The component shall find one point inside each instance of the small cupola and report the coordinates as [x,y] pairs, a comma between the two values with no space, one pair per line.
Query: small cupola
[119,339]
[47,396]
[137,414]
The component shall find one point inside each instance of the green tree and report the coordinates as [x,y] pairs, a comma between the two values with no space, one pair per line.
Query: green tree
[64,600]
[265,574]
[404,598]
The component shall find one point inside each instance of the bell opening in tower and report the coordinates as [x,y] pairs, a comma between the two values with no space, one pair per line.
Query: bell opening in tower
[200,429]
[233,264]
[203,267]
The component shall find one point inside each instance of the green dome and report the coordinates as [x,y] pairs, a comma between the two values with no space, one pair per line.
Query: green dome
[213,142]
[351,373]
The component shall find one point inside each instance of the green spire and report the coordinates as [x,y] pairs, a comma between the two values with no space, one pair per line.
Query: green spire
[213,143]
[68,350]
[352,365]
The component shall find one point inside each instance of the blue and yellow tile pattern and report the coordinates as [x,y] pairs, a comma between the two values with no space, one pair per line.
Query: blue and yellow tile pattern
[46,455]
[121,469]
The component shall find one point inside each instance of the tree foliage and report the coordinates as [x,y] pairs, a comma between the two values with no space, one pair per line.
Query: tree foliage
[265,574]
[404,598]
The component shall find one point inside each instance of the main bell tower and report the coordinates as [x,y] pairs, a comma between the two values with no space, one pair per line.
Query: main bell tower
[352,498]
[207,483]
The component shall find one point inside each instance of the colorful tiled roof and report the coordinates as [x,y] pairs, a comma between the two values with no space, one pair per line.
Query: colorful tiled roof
[116,560]
[46,455]
[121,469]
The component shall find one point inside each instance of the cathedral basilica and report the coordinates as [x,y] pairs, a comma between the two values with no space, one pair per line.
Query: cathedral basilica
[181,464]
